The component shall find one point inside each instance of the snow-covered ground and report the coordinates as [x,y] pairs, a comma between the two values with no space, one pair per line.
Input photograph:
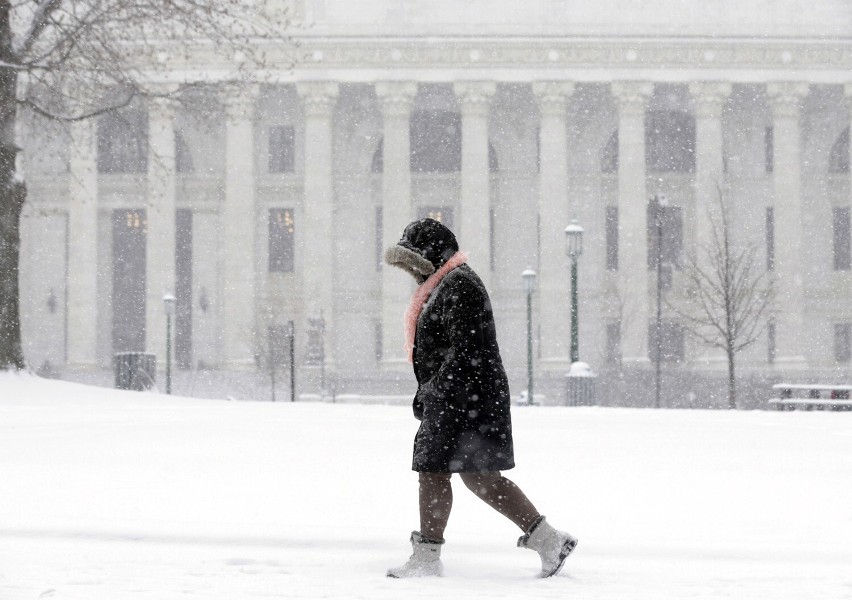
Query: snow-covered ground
[116,495]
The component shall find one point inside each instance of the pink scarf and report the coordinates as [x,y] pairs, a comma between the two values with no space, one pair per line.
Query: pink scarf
[421,295]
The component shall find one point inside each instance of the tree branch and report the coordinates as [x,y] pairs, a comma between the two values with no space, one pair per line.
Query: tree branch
[38,23]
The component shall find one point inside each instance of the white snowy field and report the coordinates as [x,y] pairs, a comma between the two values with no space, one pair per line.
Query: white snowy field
[120,495]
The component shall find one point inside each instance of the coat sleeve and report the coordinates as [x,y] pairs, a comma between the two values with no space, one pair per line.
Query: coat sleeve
[458,376]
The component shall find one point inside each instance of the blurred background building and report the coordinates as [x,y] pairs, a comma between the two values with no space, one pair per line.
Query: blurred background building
[262,203]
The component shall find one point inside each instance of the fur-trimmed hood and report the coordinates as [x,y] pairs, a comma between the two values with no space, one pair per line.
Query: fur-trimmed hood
[410,261]
[426,244]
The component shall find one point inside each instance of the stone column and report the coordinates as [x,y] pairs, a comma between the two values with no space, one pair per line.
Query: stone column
[554,216]
[708,99]
[632,99]
[83,250]
[396,100]
[160,214]
[474,229]
[318,102]
[848,93]
[237,227]
[784,100]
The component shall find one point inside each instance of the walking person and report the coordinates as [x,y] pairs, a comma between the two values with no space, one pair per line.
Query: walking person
[462,401]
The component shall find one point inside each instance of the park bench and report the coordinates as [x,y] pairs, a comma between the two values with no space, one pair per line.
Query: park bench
[792,396]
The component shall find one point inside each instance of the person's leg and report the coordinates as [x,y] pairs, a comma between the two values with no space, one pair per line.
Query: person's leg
[436,502]
[503,496]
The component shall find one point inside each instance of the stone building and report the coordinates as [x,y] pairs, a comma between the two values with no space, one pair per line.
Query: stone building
[506,120]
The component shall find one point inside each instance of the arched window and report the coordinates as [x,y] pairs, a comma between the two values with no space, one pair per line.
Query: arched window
[609,155]
[669,142]
[838,160]
[123,142]
[435,141]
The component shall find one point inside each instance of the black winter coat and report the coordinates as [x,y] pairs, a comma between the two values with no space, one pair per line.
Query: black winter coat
[463,397]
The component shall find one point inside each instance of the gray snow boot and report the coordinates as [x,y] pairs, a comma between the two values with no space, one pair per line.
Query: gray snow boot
[552,545]
[425,562]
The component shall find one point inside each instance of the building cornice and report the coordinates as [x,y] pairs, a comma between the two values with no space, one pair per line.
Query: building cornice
[559,53]
[527,59]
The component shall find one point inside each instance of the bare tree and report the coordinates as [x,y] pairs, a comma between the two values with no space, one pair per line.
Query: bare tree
[68,60]
[274,349]
[728,293]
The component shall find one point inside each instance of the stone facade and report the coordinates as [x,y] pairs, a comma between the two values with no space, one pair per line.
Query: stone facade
[528,132]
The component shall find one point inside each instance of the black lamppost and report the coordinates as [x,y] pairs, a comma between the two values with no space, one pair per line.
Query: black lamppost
[529,287]
[659,203]
[169,303]
[574,248]
[291,335]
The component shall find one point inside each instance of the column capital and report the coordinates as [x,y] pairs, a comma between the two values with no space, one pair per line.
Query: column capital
[474,96]
[785,97]
[318,97]
[553,96]
[632,96]
[239,100]
[709,96]
[396,97]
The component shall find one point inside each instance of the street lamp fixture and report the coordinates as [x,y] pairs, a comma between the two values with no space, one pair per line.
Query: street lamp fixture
[574,238]
[529,287]
[169,303]
[574,248]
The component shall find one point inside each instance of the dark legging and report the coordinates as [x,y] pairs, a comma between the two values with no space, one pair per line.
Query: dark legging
[436,500]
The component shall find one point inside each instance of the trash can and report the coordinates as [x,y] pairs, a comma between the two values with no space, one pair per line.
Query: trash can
[135,370]
[581,385]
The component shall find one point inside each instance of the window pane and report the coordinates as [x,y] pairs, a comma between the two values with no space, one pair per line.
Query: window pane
[538,149]
[838,160]
[281,240]
[282,149]
[435,141]
[770,238]
[769,149]
[123,142]
[609,156]
[670,142]
[493,160]
[612,238]
[183,288]
[443,214]
[843,342]
[129,260]
[613,342]
[378,164]
[183,157]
